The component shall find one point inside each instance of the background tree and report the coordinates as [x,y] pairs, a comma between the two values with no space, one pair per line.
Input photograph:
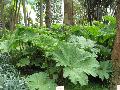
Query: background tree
[68,12]
[24,11]
[39,8]
[48,16]
[116,53]
[2,23]
[41,12]
[96,9]
[56,9]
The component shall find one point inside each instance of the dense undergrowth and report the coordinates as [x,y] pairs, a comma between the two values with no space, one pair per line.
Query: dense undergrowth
[77,57]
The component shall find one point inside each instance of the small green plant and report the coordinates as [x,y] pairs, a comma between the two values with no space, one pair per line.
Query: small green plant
[9,77]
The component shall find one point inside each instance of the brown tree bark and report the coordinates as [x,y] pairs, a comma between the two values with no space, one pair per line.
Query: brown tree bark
[115,80]
[41,13]
[68,12]
[13,15]
[48,16]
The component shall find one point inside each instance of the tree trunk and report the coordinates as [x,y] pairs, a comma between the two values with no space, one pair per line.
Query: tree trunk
[116,53]
[2,11]
[90,11]
[13,15]
[24,11]
[41,13]
[2,23]
[1,14]
[68,12]
[48,14]
[12,24]
[18,16]
[18,12]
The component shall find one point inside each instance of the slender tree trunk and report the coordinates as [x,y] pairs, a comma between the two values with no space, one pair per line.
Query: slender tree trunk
[18,12]
[2,23]
[41,13]
[99,13]
[1,14]
[68,12]
[13,16]
[24,11]
[89,11]
[3,18]
[18,16]
[12,21]
[116,53]
[48,13]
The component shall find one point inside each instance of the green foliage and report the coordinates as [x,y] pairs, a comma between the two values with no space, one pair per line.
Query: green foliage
[40,81]
[14,83]
[91,86]
[83,43]
[23,62]
[56,27]
[46,42]
[77,62]
[104,70]
[101,32]
[9,77]
[111,19]
[79,51]
[27,42]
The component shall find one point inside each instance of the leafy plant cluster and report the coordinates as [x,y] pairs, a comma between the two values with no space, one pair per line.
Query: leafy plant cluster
[103,33]
[9,77]
[50,57]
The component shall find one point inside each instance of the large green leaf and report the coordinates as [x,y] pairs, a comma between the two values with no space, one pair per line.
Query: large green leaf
[81,42]
[23,62]
[40,81]
[104,70]
[77,62]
